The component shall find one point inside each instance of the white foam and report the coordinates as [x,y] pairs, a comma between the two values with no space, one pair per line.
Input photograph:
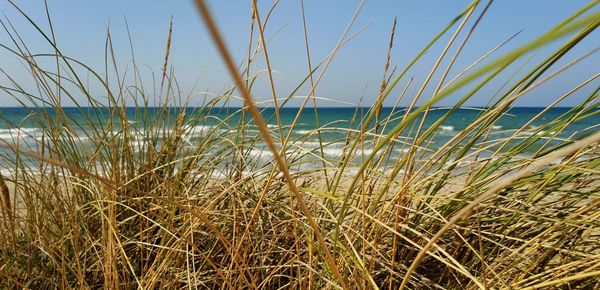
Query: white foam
[387,172]
[539,133]
[317,144]
[37,134]
[331,151]
[216,174]
[8,172]
[447,128]
[497,127]
[20,133]
[137,144]
[257,152]
[20,130]
[463,163]
[197,129]
[80,138]
[337,152]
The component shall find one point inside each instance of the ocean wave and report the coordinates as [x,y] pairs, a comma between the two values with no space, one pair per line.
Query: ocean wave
[334,151]
[447,128]
[39,135]
[302,132]
[317,144]
[198,130]
[22,133]
[82,138]
[258,152]
[337,152]
[73,137]
[137,144]
[497,127]
[329,151]
[20,130]
[539,133]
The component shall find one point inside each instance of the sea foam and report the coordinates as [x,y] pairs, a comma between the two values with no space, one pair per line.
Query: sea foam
[22,133]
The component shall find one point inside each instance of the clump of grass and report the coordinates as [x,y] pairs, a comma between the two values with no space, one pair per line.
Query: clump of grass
[142,194]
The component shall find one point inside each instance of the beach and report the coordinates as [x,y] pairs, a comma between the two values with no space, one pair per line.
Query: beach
[299,145]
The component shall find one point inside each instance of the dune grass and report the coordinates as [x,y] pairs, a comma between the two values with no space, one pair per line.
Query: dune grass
[160,193]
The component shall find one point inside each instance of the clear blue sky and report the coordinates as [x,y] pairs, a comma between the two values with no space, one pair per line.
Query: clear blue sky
[356,72]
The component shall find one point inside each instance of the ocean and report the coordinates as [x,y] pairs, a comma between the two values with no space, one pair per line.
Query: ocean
[27,128]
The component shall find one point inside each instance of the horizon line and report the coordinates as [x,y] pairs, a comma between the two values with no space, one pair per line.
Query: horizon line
[270,107]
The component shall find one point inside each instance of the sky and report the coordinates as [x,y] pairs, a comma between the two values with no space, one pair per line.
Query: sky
[355,73]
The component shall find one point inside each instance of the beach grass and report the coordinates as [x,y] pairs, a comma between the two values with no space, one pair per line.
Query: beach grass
[158,193]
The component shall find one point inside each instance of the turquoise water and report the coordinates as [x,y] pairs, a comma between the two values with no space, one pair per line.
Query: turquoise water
[25,126]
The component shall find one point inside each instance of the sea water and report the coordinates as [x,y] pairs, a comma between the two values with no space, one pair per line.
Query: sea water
[318,134]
